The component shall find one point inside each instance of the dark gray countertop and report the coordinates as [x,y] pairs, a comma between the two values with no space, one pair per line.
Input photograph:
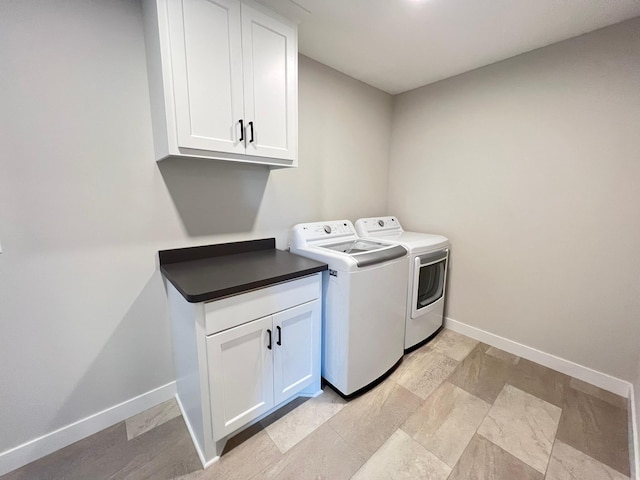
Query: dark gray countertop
[211,272]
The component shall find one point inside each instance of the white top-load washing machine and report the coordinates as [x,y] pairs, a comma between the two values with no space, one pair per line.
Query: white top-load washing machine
[429,258]
[364,302]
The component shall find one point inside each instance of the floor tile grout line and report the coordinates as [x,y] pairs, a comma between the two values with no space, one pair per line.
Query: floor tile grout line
[465,449]
[370,456]
[553,445]
[431,451]
[555,437]
[348,443]
[481,423]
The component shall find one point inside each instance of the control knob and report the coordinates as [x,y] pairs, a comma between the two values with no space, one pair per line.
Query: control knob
[327,229]
[381,223]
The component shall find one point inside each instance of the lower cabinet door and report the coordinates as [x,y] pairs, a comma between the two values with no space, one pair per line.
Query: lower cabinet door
[296,349]
[240,375]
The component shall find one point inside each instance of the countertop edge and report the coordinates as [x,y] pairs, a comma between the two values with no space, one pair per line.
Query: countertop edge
[244,288]
[200,273]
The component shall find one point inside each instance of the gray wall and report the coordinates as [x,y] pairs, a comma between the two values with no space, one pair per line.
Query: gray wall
[532,167]
[84,207]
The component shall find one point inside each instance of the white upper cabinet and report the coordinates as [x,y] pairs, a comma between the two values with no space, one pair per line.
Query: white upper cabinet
[270,85]
[222,80]
[206,61]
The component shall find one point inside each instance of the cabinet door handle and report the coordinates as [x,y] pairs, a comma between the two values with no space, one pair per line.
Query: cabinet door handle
[241,130]
[269,333]
[251,127]
[279,342]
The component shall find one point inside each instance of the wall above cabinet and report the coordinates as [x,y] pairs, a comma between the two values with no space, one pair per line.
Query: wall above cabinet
[223,81]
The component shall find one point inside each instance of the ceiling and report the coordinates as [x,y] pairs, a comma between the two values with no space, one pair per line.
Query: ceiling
[398,45]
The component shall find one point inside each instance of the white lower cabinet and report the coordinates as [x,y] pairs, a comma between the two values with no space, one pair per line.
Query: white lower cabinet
[260,364]
[240,358]
[241,375]
[296,348]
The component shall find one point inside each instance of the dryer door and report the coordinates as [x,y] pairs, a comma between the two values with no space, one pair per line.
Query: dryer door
[430,276]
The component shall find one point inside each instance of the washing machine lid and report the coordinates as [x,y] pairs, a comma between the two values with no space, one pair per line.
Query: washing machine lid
[367,252]
[356,246]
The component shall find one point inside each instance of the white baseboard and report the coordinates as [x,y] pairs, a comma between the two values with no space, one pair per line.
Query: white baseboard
[50,442]
[599,379]
[634,447]
[586,374]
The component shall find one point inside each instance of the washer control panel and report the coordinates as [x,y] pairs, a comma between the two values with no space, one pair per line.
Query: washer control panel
[327,229]
[322,231]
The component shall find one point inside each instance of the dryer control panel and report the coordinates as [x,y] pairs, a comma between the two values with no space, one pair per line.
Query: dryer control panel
[373,225]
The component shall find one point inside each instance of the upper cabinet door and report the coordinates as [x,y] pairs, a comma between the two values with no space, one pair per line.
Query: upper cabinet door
[270,56]
[206,57]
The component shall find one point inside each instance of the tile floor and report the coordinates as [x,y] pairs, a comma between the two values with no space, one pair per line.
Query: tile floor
[454,409]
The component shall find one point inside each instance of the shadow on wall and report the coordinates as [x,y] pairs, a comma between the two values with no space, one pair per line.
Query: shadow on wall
[214,197]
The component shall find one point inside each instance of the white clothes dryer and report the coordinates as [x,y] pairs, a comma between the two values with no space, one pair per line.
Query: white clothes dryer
[364,302]
[428,260]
